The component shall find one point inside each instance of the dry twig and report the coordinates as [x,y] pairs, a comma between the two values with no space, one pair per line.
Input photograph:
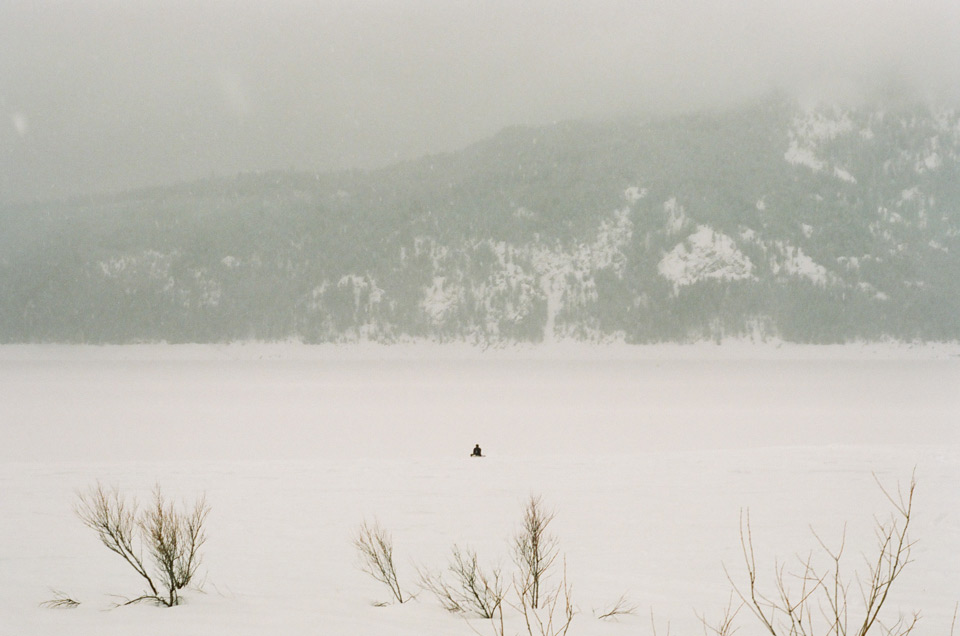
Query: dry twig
[806,601]
[375,546]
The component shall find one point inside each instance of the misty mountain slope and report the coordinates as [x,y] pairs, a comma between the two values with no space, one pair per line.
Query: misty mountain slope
[821,225]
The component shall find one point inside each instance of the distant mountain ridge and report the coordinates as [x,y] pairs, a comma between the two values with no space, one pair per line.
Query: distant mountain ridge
[768,221]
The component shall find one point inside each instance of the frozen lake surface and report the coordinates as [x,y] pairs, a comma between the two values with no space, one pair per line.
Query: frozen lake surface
[648,459]
[303,403]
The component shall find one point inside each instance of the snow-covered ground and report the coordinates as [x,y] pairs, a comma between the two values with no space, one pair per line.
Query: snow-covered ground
[647,455]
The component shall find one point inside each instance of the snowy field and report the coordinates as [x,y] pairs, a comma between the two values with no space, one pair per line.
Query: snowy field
[648,456]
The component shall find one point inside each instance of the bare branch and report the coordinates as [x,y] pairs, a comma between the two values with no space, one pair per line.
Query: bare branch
[723,627]
[653,625]
[621,607]
[534,550]
[115,521]
[553,617]
[60,600]
[790,611]
[375,546]
[171,538]
[472,590]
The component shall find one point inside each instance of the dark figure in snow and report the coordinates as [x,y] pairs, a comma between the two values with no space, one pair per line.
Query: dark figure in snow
[476,451]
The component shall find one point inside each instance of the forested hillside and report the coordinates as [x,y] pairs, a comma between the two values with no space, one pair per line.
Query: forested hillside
[809,225]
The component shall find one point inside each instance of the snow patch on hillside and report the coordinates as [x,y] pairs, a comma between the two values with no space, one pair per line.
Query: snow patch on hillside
[932,161]
[634,194]
[154,270]
[366,293]
[523,278]
[676,216]
[843,175]
[818,126]
[792,261]
[750,235]
[798,156]
[705,255]
[151,264]
[869,289]
[439,299]
[809,132]
[606,251]
[509,293]
[524,213]
[567,278]
[850,263]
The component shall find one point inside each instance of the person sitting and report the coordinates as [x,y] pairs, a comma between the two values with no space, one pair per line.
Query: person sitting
[476,451]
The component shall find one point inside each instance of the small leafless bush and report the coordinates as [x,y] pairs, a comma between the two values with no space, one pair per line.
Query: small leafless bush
[467,588]
[556,611]
[546,611]
[375,546]
[170,537]
[810,601]
[60,600]
[621,607]
[725,625]
[534,550]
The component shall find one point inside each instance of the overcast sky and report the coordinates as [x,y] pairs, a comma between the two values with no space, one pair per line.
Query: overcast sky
[110,94]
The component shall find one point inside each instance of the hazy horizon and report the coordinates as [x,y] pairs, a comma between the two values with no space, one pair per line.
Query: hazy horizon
[101,95]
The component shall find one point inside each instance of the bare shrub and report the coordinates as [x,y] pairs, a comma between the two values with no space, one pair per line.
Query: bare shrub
[467,588]
[174,539]
[812,601]
[546,612]
[171,537]
[556,611]
[60,600]
[534,550]
[375,546]
[725,625]
[621,607]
